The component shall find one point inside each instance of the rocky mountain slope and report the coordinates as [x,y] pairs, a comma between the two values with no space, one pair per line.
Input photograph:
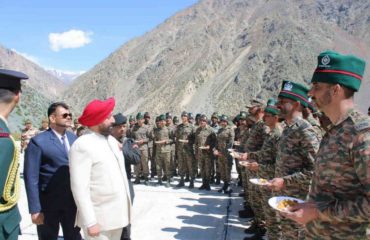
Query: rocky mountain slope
[37,93]
[218,54]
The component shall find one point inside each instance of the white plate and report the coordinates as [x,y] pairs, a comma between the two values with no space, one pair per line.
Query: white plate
[231,150]
[204,148]
[236,143]
[274,201]
[244,163]
[158,142]
[234,154]
[183,141]
[258,181]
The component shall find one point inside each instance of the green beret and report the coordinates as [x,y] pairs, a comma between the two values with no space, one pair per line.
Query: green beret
[271,107]
[335,68]
[168,115]
[184,114]
[294,91]
[215,115]
[190,115]
[139,115]
[146,115]
[157,119]
[162,117]
[203,117]
[243,115]
[131,118]
[175,119]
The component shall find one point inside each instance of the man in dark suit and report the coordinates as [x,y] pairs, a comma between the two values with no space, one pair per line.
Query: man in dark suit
[10,93]
[46,176]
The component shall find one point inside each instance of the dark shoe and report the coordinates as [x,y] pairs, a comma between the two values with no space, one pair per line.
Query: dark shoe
[202,187]
[137,181]
[252,229]
[208,187]
[187,178]
[160,182]
[218,181]
[181,183]
[146,180]
[212,181]
[228,189]
[223,188]
[247,213]
[191,185]
[240,183]
[164,178]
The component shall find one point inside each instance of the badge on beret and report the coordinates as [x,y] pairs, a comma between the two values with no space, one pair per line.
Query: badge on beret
[325,60]
[288,86]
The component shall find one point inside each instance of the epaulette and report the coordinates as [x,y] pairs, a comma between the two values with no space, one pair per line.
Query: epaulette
[4,135]
[361,122]
[362,125]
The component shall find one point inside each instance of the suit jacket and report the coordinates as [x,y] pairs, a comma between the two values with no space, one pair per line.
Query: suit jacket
[10,219]
[99,182]
[46,173]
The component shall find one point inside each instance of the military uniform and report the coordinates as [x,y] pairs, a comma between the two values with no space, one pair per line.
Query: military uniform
[215,168]
[225,140]
[163,151]
[294,163]
[10,81]
[141,133]
[185,150]
[205,137]
[26,135]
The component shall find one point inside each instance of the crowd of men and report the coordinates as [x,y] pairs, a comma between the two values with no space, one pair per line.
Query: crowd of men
[310,144]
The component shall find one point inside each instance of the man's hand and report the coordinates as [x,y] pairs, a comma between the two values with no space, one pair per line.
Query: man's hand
[276,184]
[94,230]
[135,146]
[37,218]
[243,156]
[253,166]
[302,213]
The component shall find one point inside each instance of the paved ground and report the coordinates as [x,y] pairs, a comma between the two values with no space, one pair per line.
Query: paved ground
[162,213]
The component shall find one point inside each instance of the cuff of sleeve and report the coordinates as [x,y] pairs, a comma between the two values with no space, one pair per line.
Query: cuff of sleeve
[90,224]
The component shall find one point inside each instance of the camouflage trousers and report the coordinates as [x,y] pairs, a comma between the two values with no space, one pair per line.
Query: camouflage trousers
[272,222]
[225,169]
[173,160]
[163,160]
[205,163]
[151,158]
[186,162]
[245,180]
[142,168]
[290,230]
[255,198]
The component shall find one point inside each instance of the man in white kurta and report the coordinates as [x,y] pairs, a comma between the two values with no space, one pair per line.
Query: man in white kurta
[98,178]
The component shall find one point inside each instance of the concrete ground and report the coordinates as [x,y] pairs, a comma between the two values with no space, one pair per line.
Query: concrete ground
[161,213]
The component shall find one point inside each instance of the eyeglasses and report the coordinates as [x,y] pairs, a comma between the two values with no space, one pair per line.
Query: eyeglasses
[65,115]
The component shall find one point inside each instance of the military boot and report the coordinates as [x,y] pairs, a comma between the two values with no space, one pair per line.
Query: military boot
[208,187]
[160,182]
[187,178]
[191,184]
[222,189]
[181,183]
[203,186]
[137,180]
[218,180]
[228,189]
[164,178]
[146,181]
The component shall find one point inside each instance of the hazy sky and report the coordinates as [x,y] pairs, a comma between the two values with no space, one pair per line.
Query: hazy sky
[75,35]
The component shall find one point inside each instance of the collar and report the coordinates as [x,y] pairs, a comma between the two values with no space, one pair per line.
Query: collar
[4,120]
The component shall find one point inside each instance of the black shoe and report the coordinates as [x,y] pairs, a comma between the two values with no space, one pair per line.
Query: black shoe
[208,187]
[218,181]
[252,229]
[247,213]
[202,187]
[164,178]
[212,181]
[160,182]
[240,183]
[191,185]
[228,190]
[187,178]
[181,183]
[223,188]
[137,181]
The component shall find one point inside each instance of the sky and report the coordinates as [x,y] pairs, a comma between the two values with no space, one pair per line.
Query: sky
[75,35]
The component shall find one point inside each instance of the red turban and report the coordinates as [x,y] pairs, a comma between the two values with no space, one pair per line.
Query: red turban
[96,112]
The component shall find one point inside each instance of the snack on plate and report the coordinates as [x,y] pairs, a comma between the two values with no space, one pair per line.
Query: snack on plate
[283,204]
[263,181]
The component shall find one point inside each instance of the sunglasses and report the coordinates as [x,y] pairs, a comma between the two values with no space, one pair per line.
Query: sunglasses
[65,115]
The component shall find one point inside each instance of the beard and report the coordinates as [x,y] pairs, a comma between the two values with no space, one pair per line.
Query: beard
[105,130]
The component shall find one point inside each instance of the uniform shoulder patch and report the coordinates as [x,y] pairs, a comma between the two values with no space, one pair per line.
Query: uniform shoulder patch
[360,121]
[362,125]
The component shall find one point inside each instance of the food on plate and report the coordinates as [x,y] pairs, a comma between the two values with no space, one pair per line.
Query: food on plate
[283,204]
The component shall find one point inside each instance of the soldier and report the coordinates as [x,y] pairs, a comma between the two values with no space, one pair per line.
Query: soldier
[225,140]
[44,125]
[163,138]
[338,203]
[205,140]
[262,163]
[191,118]
[141,134]
[307,114]
[175,120]
[151,156]
[27,133]
[172,128]
[10,93]
[184,146]
[241,135]
[215,169]
[131,121]
[76,125]
[296,151]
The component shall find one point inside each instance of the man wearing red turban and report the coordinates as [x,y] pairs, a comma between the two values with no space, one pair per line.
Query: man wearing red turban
[98,176]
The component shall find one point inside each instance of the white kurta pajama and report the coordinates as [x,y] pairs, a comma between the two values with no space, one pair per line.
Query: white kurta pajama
[99,184]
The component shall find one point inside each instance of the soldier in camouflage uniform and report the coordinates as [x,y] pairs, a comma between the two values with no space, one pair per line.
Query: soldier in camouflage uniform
[308,115]
[257,135]
[215,170]
[184,145]
[151,155]
[172,128]
[205,140]
[296,152]
[27,133]
[338,203]
[141,133]
[225,140]
[163,138]
[44,125]
[262,162]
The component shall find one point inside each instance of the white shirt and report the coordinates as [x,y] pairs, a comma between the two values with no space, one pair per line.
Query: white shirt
[68,146]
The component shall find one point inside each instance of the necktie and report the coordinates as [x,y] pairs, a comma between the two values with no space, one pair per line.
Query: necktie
[65,143]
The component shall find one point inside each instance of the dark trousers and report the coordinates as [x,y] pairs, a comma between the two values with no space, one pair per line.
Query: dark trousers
[66,218]
[126,233]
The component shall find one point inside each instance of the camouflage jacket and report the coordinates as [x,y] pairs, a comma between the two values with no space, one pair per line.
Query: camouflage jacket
[316,126]
[26,135]
[257,134]
[341,181]
[295,157]
[242,138]
[225,140]
[141,133]
[205,137]
[185,132]
[160,134]
[266,156]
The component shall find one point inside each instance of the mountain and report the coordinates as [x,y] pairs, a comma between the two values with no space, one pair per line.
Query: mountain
[218,54]
[66,76]
[37,92]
